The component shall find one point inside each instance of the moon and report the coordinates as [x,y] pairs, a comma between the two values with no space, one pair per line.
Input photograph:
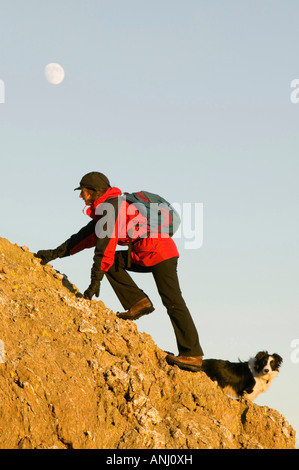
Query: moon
[54,73]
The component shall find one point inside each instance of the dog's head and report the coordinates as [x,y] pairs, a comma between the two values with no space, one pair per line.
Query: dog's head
[266,364]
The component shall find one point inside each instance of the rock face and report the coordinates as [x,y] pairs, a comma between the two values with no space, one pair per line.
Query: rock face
[73,375]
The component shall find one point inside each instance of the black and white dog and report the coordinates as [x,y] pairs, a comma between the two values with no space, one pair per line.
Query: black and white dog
[244,379]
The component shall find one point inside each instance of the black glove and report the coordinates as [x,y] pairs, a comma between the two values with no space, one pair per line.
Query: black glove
[93,289]
[48,255]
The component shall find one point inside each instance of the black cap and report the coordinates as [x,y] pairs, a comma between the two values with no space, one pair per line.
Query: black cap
[94,181]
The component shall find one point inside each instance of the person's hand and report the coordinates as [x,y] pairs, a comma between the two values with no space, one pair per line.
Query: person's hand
[93,289]
[46,255]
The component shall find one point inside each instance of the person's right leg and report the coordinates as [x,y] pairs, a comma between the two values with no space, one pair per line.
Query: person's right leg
[134,299]
[166,278]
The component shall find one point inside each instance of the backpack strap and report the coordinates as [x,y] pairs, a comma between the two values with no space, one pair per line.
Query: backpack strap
[129,252]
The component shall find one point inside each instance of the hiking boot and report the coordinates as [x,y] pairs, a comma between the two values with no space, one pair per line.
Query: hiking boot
[185,362]
[143,307]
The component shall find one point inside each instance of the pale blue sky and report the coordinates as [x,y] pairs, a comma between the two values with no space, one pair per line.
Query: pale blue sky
[190,99]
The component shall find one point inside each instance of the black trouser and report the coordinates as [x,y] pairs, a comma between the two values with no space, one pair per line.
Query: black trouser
[166,279]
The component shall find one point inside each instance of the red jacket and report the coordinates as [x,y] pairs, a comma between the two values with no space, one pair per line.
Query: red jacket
[112,218]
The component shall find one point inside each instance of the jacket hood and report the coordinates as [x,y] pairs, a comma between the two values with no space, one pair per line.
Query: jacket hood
[110,193]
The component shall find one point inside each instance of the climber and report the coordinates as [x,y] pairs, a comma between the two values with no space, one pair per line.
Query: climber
[159,255]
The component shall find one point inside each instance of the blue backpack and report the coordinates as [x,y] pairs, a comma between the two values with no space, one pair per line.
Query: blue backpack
[161,215]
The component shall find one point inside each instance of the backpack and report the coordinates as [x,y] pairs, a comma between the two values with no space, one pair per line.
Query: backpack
[161,215]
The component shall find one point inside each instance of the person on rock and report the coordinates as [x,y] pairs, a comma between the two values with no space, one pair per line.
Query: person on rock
[114,223]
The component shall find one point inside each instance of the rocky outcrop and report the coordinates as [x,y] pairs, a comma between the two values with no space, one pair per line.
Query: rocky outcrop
[73,375]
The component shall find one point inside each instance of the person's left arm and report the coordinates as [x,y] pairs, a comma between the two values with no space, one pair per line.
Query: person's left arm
[107,228]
